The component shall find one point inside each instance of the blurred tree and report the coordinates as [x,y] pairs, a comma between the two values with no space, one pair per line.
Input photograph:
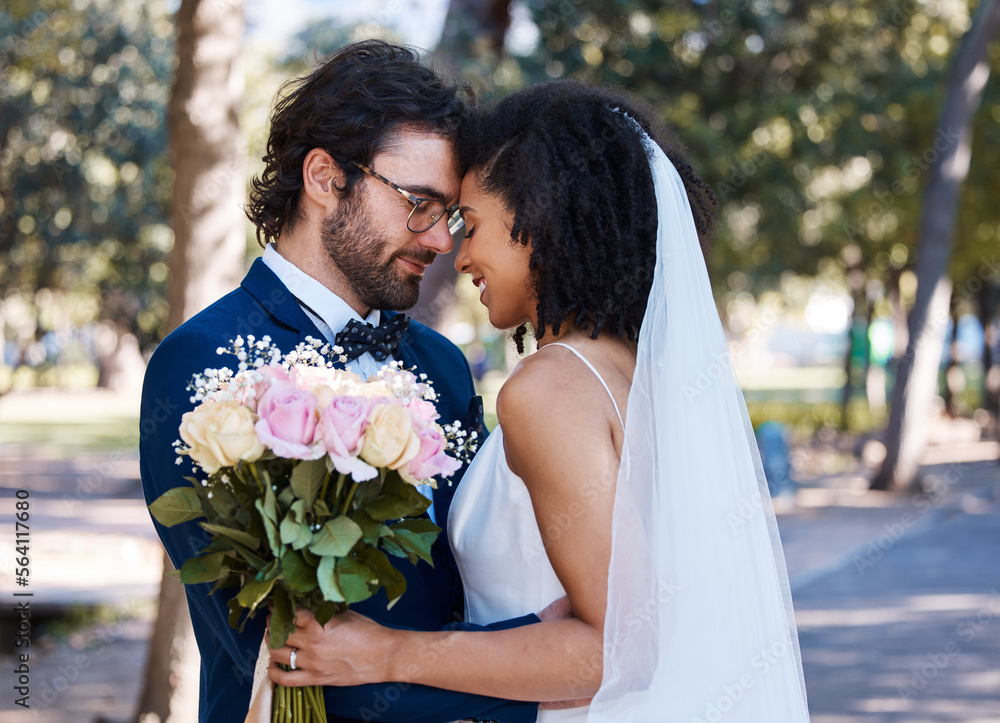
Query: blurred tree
[84,181]
[472,45]
[209,160]
[815,123]
[208,155]
[917,377]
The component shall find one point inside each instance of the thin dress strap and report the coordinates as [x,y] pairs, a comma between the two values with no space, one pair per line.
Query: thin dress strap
[597,374]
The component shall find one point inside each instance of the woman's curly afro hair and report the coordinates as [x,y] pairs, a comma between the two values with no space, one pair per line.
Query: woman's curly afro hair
[575,175]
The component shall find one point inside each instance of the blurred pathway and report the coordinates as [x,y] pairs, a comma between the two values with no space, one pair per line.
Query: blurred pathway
[905,625]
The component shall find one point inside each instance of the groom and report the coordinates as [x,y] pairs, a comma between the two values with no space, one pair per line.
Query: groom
[354,200]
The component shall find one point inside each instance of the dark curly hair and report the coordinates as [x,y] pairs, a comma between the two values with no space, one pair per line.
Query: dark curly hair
[350,105]
[576,177]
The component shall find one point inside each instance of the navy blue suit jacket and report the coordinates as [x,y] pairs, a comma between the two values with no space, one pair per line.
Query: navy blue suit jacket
[433,599]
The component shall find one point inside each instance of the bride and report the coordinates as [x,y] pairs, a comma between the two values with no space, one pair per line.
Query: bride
[623,475]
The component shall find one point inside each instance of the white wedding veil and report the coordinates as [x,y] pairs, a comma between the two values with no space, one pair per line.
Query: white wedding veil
[699,625]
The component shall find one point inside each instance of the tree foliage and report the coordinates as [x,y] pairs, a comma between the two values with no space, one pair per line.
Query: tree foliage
[84,179]
[814,122]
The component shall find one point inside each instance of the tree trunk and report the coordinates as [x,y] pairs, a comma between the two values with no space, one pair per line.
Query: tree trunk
[208,259]
[472,45]
[170,687]
[953,374]
[987,298]
[916,381]
[856,285]
[209,157]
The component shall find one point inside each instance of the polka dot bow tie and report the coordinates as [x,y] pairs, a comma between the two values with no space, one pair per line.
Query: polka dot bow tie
[359,337]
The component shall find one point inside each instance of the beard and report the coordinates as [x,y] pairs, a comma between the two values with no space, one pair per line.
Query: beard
[363,256]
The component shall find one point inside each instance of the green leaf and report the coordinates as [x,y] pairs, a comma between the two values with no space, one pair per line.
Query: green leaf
[336,537]
[371,530]
[269,507]
[326,611]
[225,504]
[420,526]
[206,568]
[307,478]
[388,576]
[282,619]
[294,533]
[177,505]
[286,497]
[269,571]
[254,592]
[328,580]
[299,576]
[244,538]
[393,548]
[255,562]
[231,580]
[416,536]
[270,529]
[235,611]
[356,579]
[367,491]
[391,507]
[320,508]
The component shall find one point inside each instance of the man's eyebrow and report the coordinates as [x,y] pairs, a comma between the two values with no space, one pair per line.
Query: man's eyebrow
[426,192]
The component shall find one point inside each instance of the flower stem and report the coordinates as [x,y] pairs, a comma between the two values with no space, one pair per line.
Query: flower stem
[350,496]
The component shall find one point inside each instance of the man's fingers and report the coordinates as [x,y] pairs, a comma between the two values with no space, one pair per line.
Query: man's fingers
[557,610]
[284,655]
[290,678]
[304,618]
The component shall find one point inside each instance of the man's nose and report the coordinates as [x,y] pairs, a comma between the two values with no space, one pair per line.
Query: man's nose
[437,238]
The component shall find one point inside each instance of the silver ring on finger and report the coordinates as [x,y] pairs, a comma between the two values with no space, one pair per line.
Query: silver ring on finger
[291,661]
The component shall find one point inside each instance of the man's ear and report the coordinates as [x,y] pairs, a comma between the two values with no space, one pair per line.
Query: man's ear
[321,177]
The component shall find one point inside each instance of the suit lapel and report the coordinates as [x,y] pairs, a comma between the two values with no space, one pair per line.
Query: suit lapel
[262,284]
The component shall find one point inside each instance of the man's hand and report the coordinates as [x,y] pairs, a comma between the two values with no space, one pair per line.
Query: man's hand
[558,610]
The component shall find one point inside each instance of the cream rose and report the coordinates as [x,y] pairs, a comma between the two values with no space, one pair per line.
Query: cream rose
[220,434]
[390,440]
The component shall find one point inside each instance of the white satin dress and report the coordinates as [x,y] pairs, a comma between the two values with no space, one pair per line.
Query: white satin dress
[498,546]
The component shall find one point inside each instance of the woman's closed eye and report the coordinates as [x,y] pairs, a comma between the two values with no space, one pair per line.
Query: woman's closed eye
[469,232]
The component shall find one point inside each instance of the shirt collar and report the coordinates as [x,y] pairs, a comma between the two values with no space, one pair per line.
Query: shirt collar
[332,310]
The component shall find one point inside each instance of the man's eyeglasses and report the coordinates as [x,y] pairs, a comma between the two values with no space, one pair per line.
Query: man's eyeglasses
[425,212]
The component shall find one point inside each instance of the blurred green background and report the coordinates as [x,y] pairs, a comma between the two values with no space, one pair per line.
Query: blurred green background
[836,136]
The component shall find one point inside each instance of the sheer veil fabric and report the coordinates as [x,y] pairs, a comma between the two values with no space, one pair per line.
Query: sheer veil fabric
[699,625]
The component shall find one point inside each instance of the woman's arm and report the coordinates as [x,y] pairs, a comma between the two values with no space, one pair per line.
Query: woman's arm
[558,440]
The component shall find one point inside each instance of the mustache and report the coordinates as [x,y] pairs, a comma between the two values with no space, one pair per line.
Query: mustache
[423,259]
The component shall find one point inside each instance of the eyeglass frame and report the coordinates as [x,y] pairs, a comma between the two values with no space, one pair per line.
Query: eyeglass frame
[449,213]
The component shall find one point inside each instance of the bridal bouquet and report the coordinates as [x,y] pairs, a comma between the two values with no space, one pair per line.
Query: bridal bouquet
[309,485]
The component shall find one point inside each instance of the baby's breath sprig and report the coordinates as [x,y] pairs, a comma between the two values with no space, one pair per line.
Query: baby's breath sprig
[462,444]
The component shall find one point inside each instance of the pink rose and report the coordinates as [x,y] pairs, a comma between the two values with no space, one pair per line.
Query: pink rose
[423,409]
[431,460]
[271,373]
[342,425]
[342,432]
[287,421]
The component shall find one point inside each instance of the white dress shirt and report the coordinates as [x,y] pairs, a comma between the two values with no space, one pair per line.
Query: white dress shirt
[330,314]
